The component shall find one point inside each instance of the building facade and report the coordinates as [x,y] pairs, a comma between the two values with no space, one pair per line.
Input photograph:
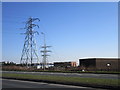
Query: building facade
[65,64]
[101,64]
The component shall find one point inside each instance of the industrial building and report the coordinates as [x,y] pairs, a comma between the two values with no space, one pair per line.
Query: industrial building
[65,64]
[101,64]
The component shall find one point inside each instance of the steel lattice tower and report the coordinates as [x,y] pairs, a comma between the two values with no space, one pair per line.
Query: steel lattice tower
[29,54]
[44,53]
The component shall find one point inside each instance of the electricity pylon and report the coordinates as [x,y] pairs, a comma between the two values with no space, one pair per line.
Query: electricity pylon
[29,54]
[44,53]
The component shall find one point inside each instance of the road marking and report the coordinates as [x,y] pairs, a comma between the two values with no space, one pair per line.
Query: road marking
[67,86]
[25,81]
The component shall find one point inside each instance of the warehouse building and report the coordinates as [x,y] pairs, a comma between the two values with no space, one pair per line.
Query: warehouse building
[65,64]
[101,64]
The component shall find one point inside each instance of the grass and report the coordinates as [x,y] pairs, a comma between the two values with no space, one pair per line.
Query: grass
[92,81]
[97,72]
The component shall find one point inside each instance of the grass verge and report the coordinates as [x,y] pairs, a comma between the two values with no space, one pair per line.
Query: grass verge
[95,72]
[66,80]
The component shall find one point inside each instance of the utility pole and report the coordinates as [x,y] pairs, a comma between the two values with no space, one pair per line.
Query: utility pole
[29,54]
[44,52]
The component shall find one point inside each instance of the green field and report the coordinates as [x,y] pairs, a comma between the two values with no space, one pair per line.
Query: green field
[72,80]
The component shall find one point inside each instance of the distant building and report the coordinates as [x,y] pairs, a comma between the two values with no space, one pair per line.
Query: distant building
[65,64]
[40,65]
[101,64]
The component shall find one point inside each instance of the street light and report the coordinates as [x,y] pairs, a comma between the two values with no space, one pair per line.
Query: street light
[44,38]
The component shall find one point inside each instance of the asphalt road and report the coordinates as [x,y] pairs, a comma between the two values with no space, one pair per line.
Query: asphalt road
[9,83]
[88,75]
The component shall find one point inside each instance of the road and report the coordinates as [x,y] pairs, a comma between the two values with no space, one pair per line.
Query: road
[88,75]
[9,83]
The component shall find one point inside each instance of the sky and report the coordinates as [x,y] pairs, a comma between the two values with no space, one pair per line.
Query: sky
[74,29]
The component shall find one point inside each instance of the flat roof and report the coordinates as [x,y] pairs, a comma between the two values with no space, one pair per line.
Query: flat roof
[101,58]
